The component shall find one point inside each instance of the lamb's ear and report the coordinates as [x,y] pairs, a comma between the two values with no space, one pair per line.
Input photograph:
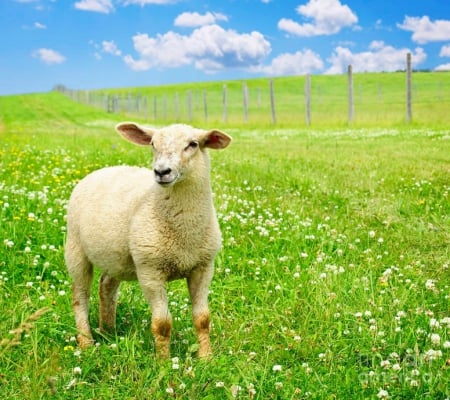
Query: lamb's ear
[216,139]
[135,133]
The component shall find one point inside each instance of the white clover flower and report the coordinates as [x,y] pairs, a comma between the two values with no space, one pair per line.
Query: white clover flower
[446,321]
[77,371]
[431,355]
[435,339]
[383,394]
[220,384]
[277,368]
[430,284]
[386,364]
[434,323]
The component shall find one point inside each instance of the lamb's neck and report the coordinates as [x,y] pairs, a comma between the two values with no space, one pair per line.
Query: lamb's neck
[185,200]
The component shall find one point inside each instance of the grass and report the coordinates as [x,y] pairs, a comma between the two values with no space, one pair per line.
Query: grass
[333,281]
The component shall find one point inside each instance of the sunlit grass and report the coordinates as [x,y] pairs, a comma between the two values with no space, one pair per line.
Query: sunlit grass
[333,281]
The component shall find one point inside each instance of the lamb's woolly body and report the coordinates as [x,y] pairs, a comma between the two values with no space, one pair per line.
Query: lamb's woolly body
[121,216]
[151,225]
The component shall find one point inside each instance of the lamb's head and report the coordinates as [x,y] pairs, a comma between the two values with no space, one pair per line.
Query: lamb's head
[178,150]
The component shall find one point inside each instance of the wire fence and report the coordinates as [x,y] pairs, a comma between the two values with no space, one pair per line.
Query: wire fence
[375,98]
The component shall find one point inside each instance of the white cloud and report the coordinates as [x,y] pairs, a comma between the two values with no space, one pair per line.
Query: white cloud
[443,67]
[209,48]
[111,48]
[299,63]
[49,56]
[380,57]
[328,17]
[102,6]
[424,30]
[38,25]
[194,19]
[445,51]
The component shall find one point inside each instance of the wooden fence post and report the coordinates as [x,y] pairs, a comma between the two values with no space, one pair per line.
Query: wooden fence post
[205,104]
[308,98]
[408,89]
[189,105]
[272,102]
[177,115]
[245,96]
[224,102]
[145,108]
[350,94]
[164,107]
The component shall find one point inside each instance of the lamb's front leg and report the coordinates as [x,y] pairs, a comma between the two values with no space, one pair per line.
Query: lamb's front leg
[155,293]
[198,283]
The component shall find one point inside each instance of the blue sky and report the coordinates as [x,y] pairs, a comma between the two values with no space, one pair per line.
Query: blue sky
[88,44]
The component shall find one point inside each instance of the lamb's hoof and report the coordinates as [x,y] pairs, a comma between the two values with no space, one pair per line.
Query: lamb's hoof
[205,353]
[84,341]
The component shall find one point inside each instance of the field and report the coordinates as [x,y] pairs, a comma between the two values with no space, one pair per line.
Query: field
[333,281]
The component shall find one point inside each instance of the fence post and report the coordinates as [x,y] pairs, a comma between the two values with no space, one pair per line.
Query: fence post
[350,94]
[272,102]
[224,102]
[145,108]
[155,108]
[408,89]
[189,105]
[245,99]
[177,115]
[205,104]
[308,98]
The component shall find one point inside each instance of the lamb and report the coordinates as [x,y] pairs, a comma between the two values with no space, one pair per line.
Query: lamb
[153,226]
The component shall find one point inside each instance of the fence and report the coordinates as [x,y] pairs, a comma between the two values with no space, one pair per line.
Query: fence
[360,99]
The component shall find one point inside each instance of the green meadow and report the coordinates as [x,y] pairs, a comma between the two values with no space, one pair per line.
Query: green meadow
[333,281]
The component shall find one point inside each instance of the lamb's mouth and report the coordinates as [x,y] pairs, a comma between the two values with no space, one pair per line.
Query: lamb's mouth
[168,180]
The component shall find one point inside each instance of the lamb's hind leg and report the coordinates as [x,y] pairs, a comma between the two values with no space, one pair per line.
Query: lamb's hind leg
[108,293]
[198,283]
[81,271]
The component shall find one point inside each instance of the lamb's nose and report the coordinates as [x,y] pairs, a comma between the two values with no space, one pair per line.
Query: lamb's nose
[162,172]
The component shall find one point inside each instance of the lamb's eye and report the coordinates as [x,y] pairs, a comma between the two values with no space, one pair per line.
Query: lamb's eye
[192,145]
